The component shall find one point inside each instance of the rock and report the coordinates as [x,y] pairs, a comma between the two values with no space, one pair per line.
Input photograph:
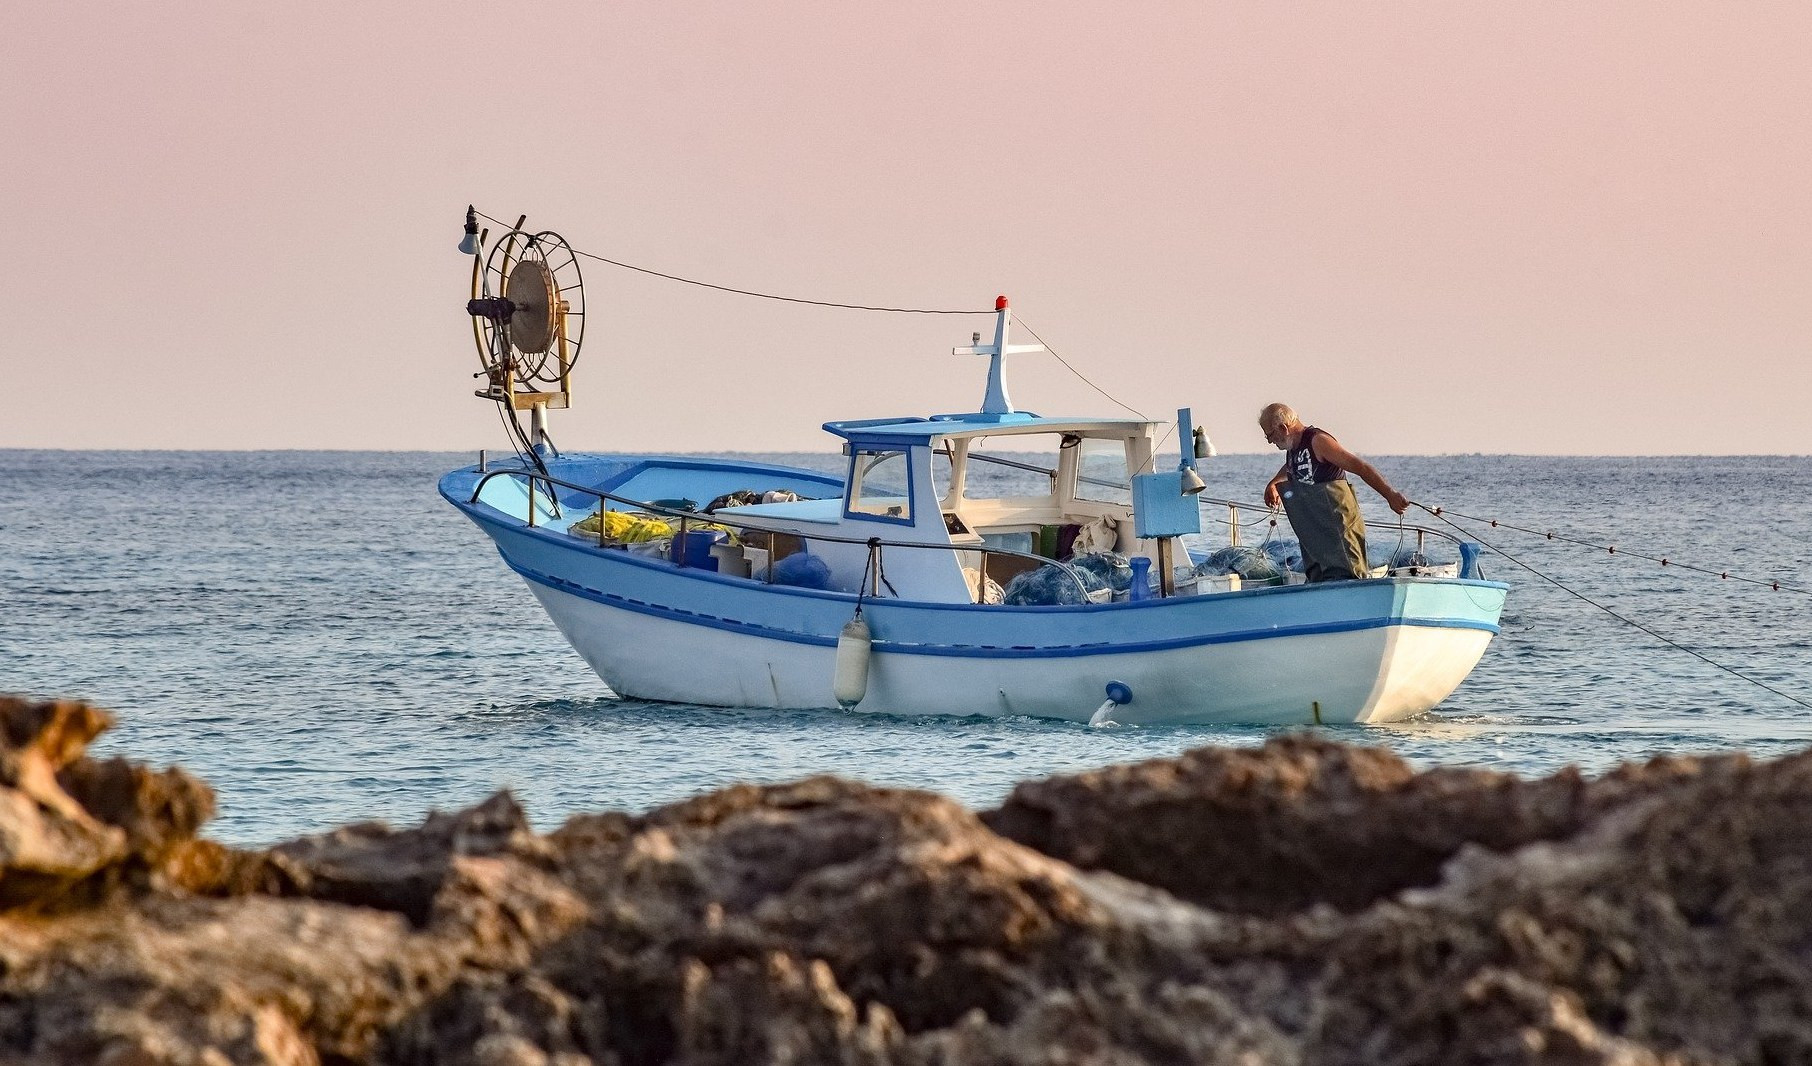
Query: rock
[1273,830]
[1304,902]
[69,821]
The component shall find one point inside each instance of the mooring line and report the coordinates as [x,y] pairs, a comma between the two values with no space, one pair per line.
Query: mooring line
[1470,535]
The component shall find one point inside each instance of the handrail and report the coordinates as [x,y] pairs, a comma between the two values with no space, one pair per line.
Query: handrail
[1232,505]
[716,518]
[1033,468]
[1235,505]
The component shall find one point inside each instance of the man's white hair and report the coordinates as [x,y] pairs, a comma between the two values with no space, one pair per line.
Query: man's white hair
[1278,414]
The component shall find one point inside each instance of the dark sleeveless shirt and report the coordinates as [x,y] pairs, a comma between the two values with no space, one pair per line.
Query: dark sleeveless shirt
[1305,468]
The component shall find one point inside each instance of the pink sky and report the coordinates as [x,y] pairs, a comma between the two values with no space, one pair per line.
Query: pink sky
[1432,227]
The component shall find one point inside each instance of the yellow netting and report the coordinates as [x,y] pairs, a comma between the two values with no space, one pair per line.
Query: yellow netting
[627,528]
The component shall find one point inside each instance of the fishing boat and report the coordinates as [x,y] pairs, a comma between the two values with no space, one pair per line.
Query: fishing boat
[901,585]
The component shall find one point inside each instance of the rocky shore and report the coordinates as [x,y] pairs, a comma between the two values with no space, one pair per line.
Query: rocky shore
[1304,902]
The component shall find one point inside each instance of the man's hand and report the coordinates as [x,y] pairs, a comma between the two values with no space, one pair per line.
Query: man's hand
[1272,499]
[1398,502]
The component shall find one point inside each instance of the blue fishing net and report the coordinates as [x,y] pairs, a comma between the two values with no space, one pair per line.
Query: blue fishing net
[1285,553]
[802,570]
[1110,568]
[1050,586]
[1248,562]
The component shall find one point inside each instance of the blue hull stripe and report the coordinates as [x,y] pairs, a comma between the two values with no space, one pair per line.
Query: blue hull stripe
[984,651]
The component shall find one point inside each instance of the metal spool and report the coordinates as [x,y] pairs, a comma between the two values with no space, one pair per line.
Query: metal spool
[528,310]
[531,289]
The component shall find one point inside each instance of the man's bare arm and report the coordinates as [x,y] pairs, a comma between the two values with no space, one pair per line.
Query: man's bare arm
[1272,499]
[1330,450]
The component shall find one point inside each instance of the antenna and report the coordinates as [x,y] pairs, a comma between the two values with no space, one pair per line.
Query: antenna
[996,402]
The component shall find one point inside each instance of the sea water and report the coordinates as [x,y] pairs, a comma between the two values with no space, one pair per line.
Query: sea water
[321,638]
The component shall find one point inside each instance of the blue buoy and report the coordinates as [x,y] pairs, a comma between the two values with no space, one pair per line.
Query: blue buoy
[1119,693]
[1469,560]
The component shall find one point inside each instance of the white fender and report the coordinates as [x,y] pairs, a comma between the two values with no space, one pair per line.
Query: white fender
[853,647]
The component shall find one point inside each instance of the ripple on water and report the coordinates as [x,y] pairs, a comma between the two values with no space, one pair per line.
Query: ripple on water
[319,670]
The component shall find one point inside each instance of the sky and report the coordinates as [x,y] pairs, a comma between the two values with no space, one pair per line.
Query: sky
[1437,227]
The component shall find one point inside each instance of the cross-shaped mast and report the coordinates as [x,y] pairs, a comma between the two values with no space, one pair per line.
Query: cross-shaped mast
[996,402]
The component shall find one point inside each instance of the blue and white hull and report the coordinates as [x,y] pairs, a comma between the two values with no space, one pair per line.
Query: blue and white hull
[1380,669]
[1361,651]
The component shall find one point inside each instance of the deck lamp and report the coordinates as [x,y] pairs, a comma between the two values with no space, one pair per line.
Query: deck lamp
[469,246]
[1190,478]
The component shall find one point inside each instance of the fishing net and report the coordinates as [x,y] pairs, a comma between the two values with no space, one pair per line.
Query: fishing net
[1049,586]
[802,570]
[1248,562]
[1285,554]
[1110,569]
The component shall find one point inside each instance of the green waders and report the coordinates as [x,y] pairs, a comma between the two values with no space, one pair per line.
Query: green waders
[1327,522]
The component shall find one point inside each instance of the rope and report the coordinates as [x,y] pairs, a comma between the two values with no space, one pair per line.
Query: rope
[1066,365]
[1437,513]
[1612,549]
[868,566]
[853,307]
[764,295]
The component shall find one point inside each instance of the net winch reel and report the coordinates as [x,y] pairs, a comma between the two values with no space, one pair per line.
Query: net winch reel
[528,320]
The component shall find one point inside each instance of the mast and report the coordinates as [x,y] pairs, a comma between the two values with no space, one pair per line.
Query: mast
[996,402]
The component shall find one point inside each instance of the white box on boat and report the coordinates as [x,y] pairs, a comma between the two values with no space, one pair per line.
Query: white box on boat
[757,561]
[1206,584]
[731,558]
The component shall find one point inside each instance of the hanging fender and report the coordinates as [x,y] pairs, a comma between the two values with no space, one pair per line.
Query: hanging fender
[854,645]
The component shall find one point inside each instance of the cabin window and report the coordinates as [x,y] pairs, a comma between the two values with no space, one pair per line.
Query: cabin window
[940,471]
[1013,466]
[1101,472]
[880,484]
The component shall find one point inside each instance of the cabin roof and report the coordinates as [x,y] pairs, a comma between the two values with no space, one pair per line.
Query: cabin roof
[918,430]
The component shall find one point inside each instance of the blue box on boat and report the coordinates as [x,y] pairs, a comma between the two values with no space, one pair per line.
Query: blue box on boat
[1161,508]
[693,548]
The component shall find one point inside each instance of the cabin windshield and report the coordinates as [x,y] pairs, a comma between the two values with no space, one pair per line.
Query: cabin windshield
[1101,472]
[880,483]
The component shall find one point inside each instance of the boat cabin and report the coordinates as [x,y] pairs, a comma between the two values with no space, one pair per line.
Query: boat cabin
[1008,492]
[990,494]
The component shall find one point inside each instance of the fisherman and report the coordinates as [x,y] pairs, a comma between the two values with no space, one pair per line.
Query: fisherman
[1312,488]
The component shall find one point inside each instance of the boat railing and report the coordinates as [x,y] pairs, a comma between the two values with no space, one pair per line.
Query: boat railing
[1234,507]
[1235,524]
[689,518]
[996,562]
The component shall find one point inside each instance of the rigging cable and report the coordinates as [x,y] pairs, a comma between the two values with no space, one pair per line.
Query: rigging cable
[766,295]
[1439,514]
[1066,365]
[906,310]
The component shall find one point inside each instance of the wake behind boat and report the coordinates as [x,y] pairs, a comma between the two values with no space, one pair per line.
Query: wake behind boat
[917,583]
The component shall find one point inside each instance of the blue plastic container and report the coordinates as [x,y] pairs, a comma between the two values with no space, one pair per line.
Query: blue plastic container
[693,548]
[1139,588]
